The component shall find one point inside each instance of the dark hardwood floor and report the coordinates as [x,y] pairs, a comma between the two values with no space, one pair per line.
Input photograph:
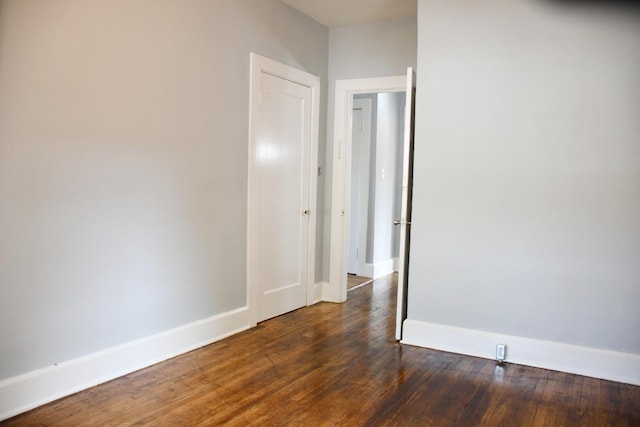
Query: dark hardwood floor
[338,364]
[354,281]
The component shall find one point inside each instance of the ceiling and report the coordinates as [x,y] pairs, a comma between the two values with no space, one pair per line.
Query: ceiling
[335,13]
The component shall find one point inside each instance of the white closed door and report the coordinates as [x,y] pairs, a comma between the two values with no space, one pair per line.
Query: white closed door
[279,208]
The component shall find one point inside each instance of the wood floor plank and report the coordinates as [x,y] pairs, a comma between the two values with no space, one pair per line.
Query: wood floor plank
[338,364]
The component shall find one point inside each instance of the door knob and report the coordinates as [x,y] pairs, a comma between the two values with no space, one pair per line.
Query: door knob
[400,222]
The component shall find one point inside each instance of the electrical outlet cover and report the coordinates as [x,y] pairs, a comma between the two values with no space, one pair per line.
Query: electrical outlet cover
[501,350]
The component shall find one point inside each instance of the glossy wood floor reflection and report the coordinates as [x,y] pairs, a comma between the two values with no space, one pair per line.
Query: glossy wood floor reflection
[354,281]
[337,364]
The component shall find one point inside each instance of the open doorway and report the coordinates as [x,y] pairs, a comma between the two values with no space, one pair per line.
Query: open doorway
[375,185]
[346,91]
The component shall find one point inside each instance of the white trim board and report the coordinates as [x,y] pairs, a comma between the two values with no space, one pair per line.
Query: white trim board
[27,391]
[383,268]
[587,361]
[318,288]
[380,269]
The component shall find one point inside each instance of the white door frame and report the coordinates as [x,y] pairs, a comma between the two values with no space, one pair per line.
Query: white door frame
[259,65]
[336,289]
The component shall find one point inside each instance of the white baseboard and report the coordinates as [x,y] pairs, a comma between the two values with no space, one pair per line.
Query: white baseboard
[379,269]
[367,270]
[317,292]
[333,292]
[587,361]
[382,268]
[27,391]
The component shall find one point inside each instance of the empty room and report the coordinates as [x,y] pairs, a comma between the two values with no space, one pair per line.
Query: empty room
[302,212]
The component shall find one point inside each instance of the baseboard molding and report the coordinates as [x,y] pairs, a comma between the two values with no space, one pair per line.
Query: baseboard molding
[587,361]
[27,391]
[382,268]
[366,270]
[317,291]
[379,269]
[333,292]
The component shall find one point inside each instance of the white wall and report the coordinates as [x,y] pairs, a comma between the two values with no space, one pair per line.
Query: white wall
[123,165]
[526,214]
[358,51]
[375,49]
[386,182]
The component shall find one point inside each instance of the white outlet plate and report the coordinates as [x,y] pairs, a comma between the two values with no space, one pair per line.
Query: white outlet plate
[501,352]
